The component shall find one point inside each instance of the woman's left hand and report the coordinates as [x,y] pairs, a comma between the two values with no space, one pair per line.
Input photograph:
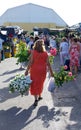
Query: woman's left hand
[52,75]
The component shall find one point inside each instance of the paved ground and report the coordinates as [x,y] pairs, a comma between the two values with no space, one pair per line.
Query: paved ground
[60,110]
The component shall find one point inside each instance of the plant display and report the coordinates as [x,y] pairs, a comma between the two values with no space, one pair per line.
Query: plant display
[7,46]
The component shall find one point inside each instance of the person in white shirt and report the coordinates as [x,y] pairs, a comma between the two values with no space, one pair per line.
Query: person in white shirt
[52,42]
[64,51]
[1,47]
[31,42]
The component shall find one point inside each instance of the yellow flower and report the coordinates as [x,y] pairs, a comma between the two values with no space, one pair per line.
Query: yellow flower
[64,78]
[60,78]
[17,45]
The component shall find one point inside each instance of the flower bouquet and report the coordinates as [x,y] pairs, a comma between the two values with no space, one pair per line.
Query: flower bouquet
[53,51]
[20,83]
[63,76]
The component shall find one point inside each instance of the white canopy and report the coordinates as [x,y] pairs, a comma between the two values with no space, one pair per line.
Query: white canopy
[31,13]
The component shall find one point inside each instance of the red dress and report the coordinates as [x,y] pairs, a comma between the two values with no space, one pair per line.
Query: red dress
[38,72]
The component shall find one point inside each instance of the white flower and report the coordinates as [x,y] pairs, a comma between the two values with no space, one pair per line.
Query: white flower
[20,83]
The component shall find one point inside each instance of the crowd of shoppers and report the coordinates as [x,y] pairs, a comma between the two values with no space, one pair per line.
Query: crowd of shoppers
[68,49]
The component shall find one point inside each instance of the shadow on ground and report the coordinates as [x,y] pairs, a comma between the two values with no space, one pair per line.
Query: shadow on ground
[10,72]
[17,118]
[69,97]
[75,118]
[5,95]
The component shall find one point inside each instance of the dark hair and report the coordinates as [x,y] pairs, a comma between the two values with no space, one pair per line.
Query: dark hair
[64,39]
[36,38]
[75,39]
[31,37]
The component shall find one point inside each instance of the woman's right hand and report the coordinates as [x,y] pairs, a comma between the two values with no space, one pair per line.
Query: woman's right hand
[26,72]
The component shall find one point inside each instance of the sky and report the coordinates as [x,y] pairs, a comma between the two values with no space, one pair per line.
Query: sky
[68,10]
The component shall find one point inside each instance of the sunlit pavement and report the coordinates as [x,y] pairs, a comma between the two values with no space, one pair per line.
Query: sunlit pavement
[60,110]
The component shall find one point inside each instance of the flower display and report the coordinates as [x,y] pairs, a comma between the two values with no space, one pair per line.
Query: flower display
[20,83]
[63,76]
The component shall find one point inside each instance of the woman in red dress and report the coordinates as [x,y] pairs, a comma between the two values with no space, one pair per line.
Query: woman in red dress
[37,66]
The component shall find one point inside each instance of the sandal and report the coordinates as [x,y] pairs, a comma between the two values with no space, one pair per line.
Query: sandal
[35,103]
[40,98]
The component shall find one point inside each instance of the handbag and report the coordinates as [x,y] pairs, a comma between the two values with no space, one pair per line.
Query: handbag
[51,85]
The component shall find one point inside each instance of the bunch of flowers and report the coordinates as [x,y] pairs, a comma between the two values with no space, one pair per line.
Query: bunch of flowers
[20,83]
[52,54]
[53,51]
[63,76]
[23,53]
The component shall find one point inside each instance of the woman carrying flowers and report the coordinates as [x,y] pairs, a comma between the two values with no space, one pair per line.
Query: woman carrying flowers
[37,66]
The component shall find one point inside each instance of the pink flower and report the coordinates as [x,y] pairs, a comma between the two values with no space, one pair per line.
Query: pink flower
[53,51]
[70,73]
[74,79]
[65,67]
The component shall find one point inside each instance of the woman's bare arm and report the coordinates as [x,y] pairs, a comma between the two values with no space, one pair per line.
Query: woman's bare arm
[50,68]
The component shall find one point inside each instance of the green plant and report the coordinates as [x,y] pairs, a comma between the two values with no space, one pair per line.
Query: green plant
[23,53]
[51,59]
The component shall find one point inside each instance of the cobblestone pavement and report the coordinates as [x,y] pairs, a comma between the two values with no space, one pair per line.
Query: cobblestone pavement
[60,110]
